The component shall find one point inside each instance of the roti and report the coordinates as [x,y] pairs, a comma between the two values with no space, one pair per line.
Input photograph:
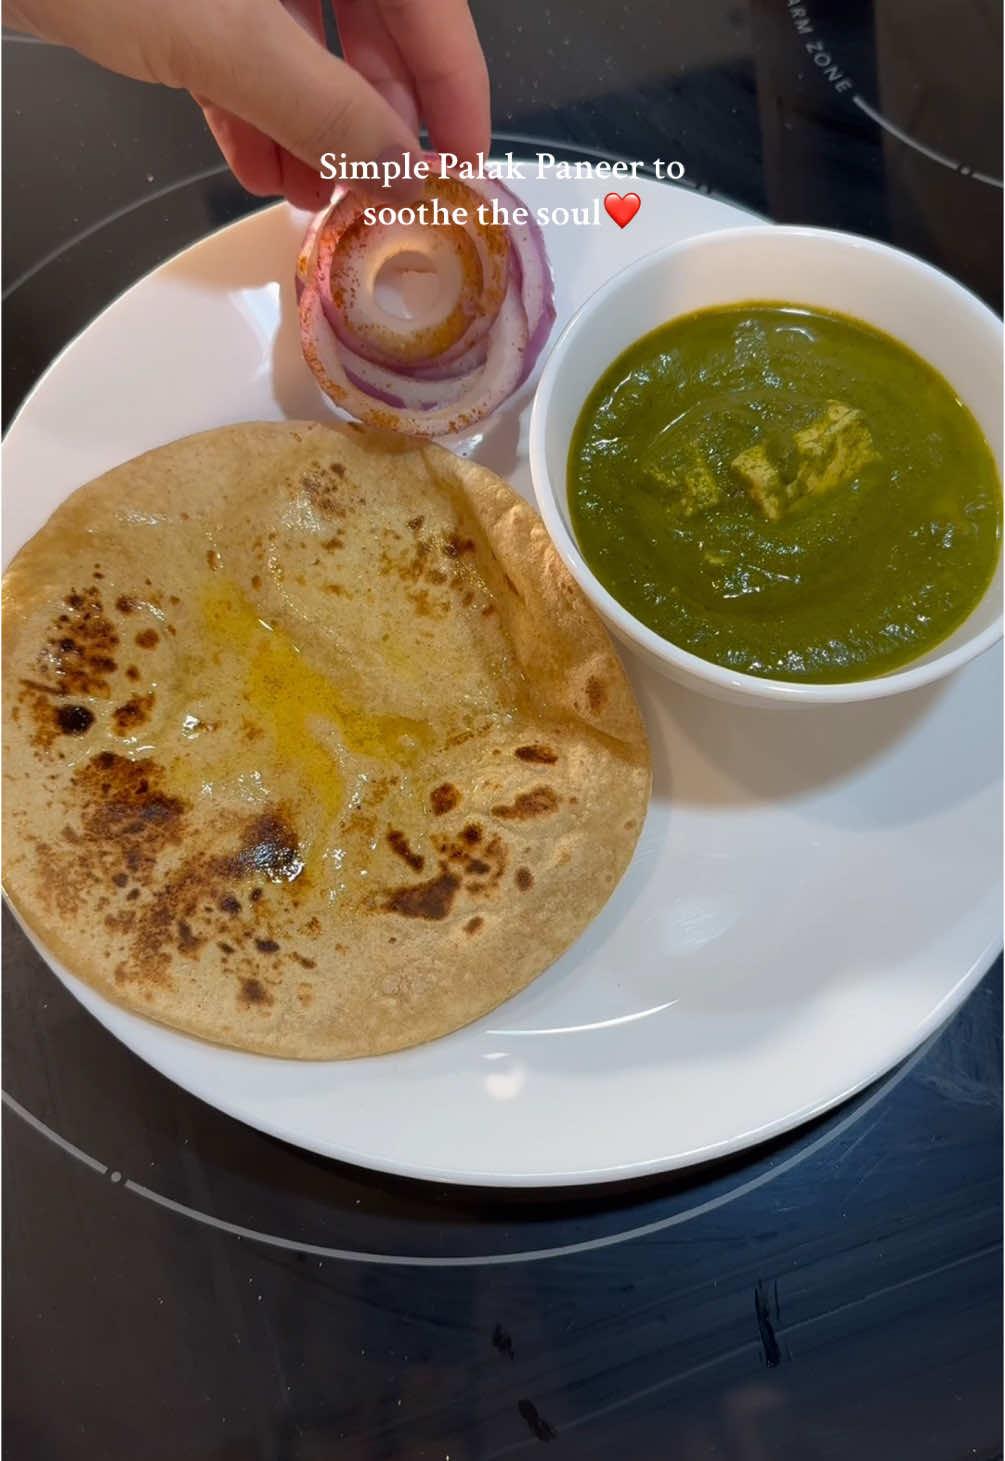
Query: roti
[312,745]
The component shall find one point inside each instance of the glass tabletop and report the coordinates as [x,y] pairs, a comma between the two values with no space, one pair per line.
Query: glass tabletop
[180,1285]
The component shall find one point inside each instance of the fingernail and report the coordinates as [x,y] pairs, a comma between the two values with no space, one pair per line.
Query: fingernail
[396,183]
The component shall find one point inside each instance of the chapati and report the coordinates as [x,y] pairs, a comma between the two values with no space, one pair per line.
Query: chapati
[312,745]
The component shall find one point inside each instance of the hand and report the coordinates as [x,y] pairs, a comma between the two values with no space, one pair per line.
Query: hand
[274,97]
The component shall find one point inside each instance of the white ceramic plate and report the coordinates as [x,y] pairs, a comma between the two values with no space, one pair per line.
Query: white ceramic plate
[813,893]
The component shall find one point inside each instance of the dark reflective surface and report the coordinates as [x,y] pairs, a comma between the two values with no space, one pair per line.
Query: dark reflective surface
[179,1286]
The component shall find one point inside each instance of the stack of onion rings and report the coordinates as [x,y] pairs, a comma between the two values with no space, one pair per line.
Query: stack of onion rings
[487,310]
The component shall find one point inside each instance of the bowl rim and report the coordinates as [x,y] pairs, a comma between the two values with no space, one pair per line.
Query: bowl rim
[716,676]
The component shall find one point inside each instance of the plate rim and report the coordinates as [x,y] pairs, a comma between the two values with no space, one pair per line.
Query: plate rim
[749,1141]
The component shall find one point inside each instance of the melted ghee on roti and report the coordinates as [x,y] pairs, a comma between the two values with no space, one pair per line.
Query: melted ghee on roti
[312,746]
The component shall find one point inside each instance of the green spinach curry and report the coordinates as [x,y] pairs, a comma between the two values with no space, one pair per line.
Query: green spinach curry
[786,492]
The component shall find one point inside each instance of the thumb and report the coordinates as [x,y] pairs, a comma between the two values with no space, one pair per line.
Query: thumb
[304,98]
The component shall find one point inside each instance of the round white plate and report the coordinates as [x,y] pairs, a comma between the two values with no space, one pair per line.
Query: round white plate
[813,893]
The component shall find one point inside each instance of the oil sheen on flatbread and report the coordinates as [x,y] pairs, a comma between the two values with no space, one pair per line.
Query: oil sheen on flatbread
[312,746]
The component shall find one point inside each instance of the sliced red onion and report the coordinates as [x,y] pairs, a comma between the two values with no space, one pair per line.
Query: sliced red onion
[465,349]
[480,392]
[451,369]
[529,256]
[537,290]
[471,263]
[408,392]
[305,258]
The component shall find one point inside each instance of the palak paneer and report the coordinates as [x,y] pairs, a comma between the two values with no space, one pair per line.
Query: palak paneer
[785,491]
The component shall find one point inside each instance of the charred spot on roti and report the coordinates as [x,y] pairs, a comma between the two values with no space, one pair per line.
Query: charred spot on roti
[431,900]
[541,801]
[398,843]
[74,720]
[474,924]
[539,755]
[148,977]
[483,872]
[253,994]
[148,639]
[127,809]
[191,906]
[75,658]
[128,821]
[456,546]
[410,567]
[524,879]
[304,962]
[269,845]
[166,926]
[472,834]
[444,798]
[322,484]
[133,713]
[132,673]
[429,608]
[125,604]
[213,559]
[596,693]
[188,942]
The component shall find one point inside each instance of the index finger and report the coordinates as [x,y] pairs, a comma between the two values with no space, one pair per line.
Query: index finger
[440,47]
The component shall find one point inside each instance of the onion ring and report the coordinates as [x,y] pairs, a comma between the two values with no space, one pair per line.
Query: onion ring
[480,306]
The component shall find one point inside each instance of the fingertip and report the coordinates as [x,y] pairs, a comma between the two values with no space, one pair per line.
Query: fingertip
[252,157]
[301,186]
[466,150]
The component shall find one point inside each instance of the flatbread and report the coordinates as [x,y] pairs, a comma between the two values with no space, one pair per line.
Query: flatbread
[312,745]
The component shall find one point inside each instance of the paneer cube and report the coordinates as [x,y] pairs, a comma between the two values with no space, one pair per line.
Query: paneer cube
[691,486]
[833,449]
[762,480]
[829,453]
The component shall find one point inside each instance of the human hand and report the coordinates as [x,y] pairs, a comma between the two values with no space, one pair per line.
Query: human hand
[275,99]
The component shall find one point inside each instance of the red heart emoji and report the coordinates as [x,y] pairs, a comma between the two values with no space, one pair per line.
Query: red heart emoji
[622,209]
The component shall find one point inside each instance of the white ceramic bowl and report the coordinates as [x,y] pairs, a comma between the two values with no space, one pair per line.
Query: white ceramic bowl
[928,311]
